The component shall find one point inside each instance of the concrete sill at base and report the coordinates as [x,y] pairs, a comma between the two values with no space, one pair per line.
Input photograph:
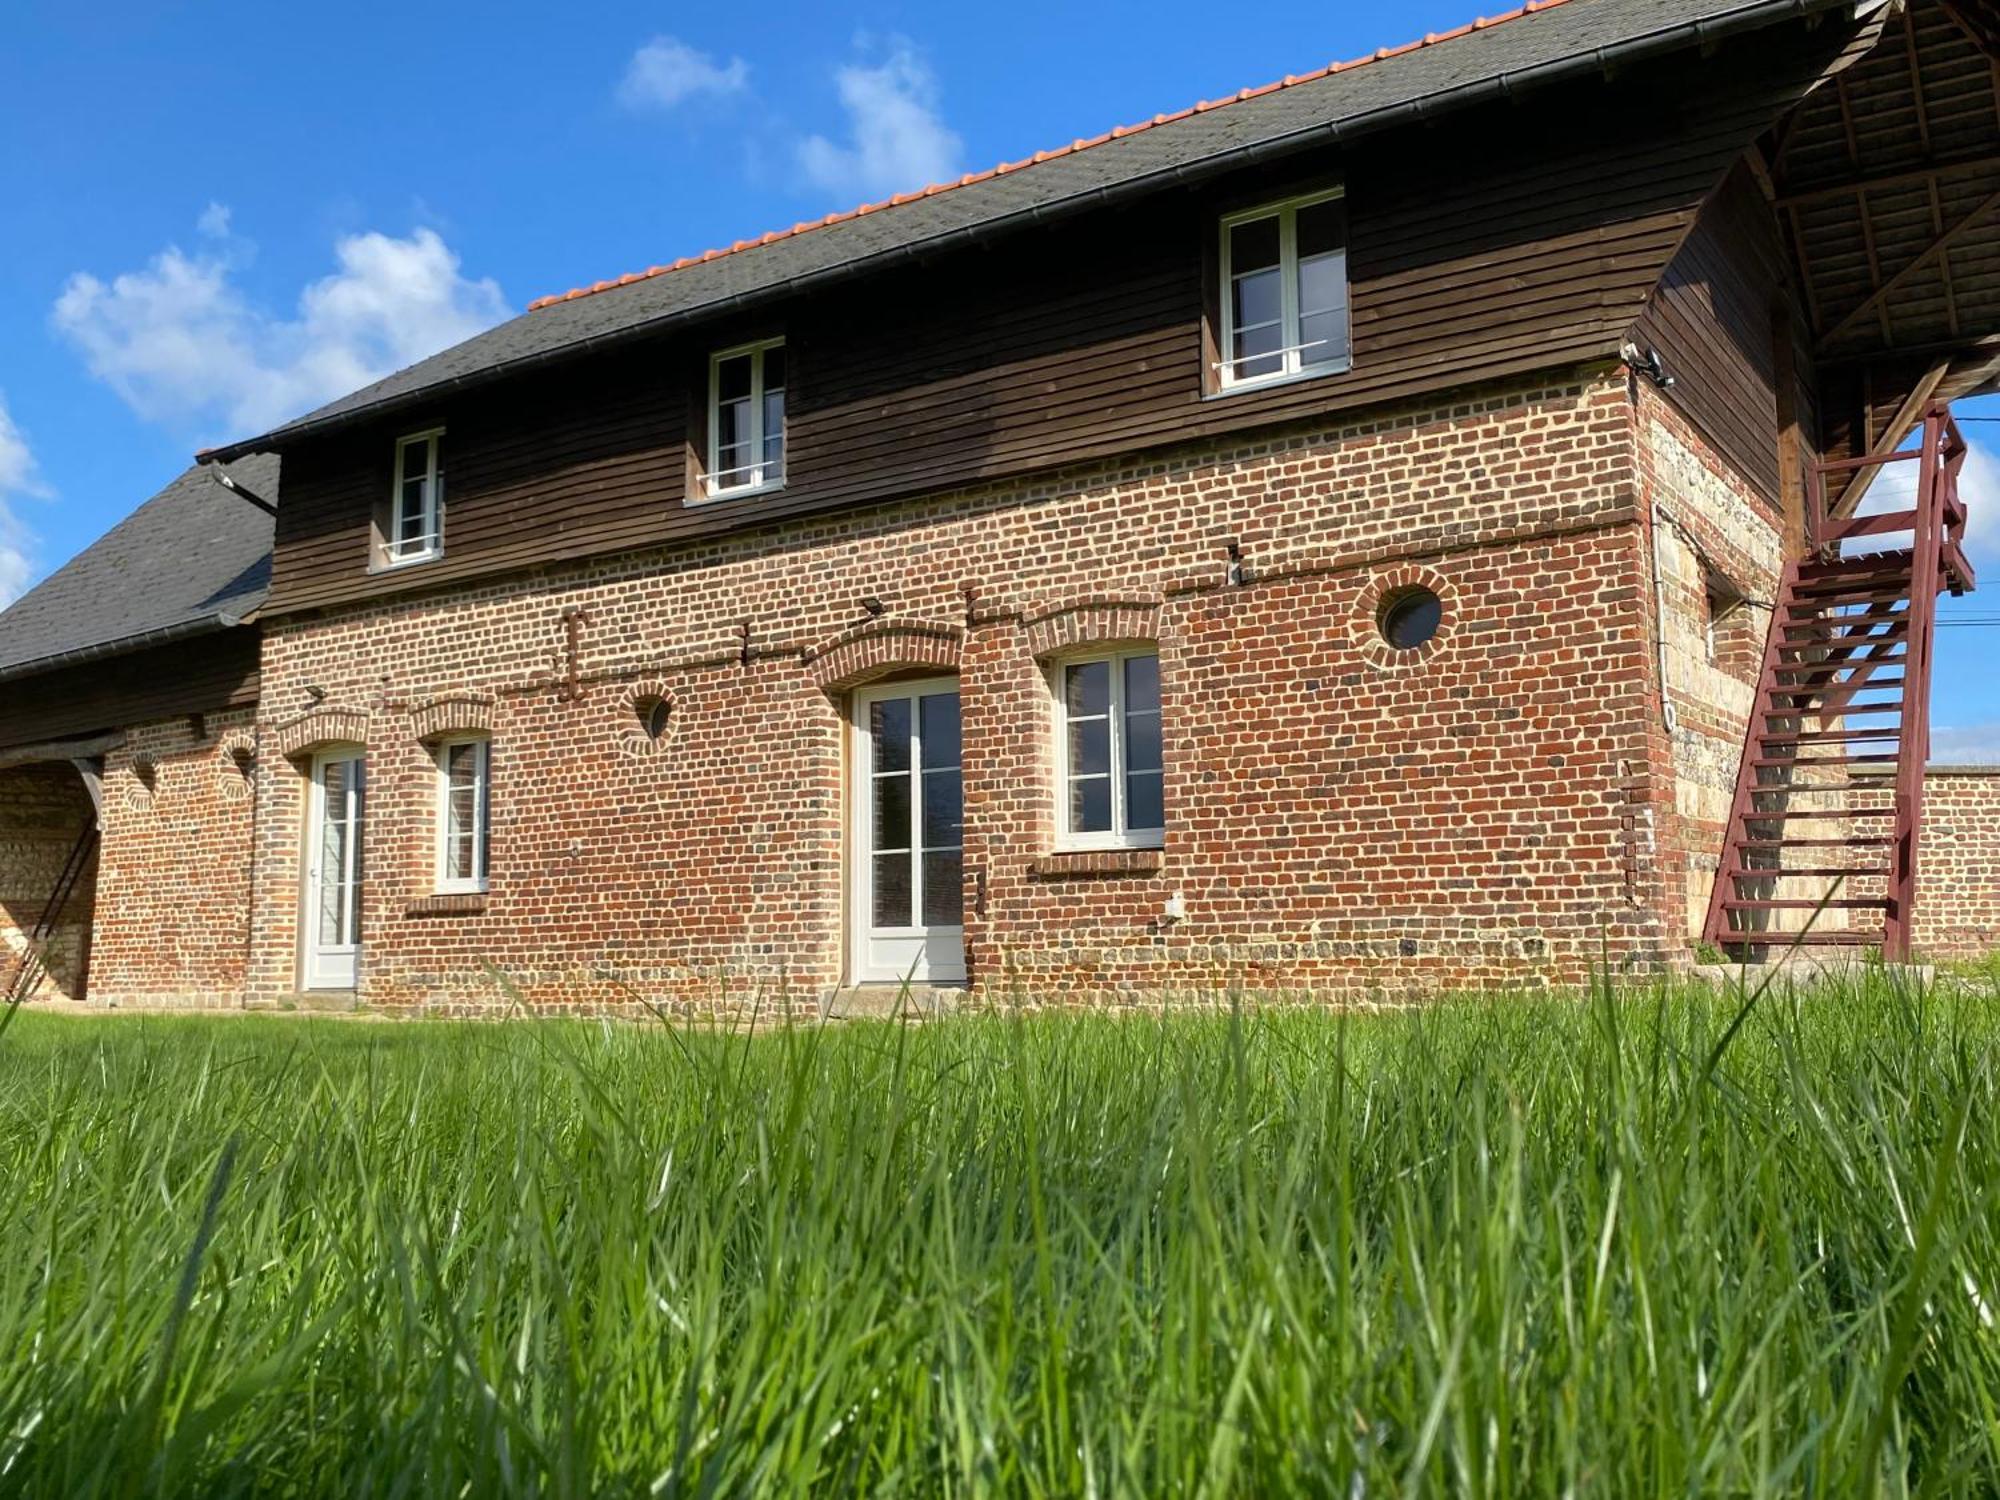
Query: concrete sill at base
[460,903]
[884,1001]
[330,1002]
[1097,864]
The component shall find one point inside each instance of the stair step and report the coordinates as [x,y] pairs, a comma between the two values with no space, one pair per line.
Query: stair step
[1828,670]
[1851,711]
[1871,841]
[1833,736]
[1895,635]
[1775,762]
[1821,815]
[1741,938]
[1875,784]
[1858,903]
[1805,872]
[1823,612]
[1887,594]
[1867,682]
[1855,581]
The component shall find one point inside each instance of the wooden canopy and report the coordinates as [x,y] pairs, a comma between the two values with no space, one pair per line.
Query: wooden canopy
[1887,182]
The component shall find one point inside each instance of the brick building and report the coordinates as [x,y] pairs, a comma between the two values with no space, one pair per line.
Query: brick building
[1323,541]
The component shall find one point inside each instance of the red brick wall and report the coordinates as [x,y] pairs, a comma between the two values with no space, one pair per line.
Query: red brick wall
[1338,819]
[1958,863]
[173,888]
[42,810]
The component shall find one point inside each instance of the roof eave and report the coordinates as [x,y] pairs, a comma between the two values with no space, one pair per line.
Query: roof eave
[167,635]
[1750,16]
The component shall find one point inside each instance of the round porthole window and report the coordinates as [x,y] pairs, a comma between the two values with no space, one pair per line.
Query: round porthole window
[1410,617]
[654,716]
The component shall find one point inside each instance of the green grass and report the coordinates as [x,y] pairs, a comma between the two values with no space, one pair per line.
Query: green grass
[1598,1246]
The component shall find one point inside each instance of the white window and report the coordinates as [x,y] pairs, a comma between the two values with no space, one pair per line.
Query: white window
[417,502]
[1111,790]
[1284,291]
[746,419]
[464,791]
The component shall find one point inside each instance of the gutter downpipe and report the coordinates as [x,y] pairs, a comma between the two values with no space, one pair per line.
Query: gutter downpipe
[1748,17]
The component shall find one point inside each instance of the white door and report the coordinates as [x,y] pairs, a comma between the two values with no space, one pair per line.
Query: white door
[909,884]
[333,871]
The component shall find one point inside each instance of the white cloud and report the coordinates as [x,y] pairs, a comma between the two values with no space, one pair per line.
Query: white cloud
[897,139]
[214,221]
[667,70]
[17,478]
[182,344]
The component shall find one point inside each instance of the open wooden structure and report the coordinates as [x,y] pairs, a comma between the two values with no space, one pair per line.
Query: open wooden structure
[1886,181]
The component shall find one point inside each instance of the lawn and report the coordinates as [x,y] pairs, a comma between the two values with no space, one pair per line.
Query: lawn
[1600,1245]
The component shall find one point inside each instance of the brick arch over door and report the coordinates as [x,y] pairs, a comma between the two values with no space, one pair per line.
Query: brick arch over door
[881,647]
[321,727]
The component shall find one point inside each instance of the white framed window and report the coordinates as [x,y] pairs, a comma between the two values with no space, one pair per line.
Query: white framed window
[1109,772]
[416,504]
[464,796]
[1284,291]
[746,420]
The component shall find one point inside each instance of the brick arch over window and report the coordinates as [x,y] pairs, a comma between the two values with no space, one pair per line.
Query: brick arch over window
[1092,622]
[881,647]
[1366,625]
[321,726]
[464,714]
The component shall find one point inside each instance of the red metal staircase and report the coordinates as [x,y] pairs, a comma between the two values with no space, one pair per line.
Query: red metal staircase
[30,966]
[1830,789]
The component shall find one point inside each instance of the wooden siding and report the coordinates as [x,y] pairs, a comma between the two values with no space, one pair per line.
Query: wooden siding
[1513,239]
[204,675]
[1715,321]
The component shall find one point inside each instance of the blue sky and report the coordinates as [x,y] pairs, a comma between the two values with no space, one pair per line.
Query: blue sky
[219,214]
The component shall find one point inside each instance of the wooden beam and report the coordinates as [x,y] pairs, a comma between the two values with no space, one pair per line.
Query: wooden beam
[1890,439]
[1879,297]
[1914,176]
[1953,348]
[1980,20]
[59,750]
[1916,76]
[91,770]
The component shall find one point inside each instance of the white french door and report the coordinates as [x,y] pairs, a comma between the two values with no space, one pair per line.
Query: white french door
[908,896]
[333,871]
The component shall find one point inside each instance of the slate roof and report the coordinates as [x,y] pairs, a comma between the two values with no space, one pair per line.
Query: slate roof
[193,558]
[1481,61]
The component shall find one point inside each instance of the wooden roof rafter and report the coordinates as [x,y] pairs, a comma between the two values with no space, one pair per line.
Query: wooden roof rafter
[1886,181]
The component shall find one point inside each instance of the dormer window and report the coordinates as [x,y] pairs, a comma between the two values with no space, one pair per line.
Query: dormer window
[416,504]
[1284,291]
[746,420]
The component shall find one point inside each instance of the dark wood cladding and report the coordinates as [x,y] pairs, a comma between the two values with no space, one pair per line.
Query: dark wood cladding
[1715,322]
[1513,239]
[205,674]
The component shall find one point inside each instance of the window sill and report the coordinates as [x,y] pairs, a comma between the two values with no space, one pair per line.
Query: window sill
[447,904]
[1269,382]
[749,492]
[1097,864]
[397,564]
